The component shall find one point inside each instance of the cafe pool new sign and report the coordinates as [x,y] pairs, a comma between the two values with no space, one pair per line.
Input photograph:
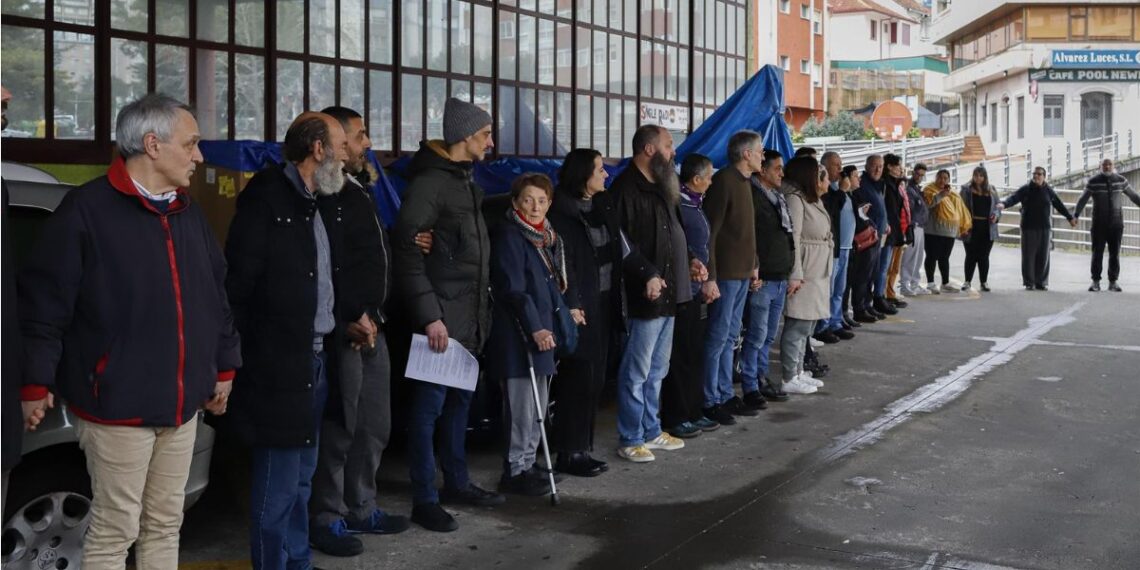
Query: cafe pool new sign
[1084,75]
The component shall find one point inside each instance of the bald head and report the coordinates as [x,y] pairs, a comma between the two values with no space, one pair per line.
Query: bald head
[314,135]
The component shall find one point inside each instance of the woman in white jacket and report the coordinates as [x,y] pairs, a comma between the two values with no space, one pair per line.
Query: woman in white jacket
[809,285]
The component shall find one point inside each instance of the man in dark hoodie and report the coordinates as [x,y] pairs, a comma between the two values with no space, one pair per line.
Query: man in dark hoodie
[357,421]
[1037,200]
[1105,190]
[864,264]
[447,298]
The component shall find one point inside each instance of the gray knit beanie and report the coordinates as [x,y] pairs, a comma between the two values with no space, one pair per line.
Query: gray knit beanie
[462,119]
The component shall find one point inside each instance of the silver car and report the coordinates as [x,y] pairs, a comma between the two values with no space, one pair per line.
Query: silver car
[48,504]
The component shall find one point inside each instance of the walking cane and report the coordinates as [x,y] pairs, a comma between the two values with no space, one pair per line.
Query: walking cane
[554,500]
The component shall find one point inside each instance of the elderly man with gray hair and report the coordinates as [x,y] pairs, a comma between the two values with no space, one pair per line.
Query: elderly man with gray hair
[124,316]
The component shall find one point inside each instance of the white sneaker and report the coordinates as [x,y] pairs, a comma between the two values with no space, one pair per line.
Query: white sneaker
[948,288]
[798,387]
[815,343]
[933,289]
[807,379]
[919,290]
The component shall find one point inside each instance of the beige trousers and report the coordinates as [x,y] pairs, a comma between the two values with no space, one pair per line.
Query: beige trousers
[138,478]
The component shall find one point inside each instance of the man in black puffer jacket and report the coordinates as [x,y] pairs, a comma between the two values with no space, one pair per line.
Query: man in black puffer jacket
[283,285]
[1106,190]
[446,294]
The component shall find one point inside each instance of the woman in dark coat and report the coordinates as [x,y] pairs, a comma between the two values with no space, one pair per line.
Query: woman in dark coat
[528,274]
[588,222]
[982,201]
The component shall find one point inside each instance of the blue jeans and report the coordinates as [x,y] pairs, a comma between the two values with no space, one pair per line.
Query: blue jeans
[765,308]
[838,284]
[282,484]
[432,403]
[643,365]
[880,278]
[725,315]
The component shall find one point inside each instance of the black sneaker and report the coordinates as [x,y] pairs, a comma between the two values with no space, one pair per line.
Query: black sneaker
[898,303]
[335,540]
[865,317]
[875,313]
[843,334]
[736,407]
[1095,287]
[826,337]
[719,415]
[850,322]
[1028,287]
[1042,287]
[524,484]
[773,395]
[882,306]
[755,401]
[1112,286]
[378,522]
[684,430]
[432,517]
[985,287]
[472,495]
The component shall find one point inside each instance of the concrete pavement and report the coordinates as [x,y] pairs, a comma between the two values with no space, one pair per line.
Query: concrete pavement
[973,431]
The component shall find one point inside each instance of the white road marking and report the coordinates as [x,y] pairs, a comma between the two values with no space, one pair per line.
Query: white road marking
[1123,347]
[932,396]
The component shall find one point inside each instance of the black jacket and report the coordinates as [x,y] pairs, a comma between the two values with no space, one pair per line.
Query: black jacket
[452,283]
[1036,202]
[123,307]
[833,202]
[1106,191]
[893,199]
[366,272]
[13,347]
[272,283]
[584,260]
[775,248]
[645,215]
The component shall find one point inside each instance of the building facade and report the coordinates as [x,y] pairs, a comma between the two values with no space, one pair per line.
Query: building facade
[1039,76]
[792,35]
[555,74]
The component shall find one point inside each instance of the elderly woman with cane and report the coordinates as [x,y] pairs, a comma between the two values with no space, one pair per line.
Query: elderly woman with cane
[528,280]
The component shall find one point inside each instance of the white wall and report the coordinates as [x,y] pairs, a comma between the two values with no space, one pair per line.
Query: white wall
[852,39]
[1126,102]
[767,48]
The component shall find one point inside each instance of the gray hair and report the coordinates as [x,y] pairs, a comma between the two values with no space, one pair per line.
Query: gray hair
[742,141]
[153,113]
[829,154]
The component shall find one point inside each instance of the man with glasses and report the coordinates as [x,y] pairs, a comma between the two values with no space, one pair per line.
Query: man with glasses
[1036,199]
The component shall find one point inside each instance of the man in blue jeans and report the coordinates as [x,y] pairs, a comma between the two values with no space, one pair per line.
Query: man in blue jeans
[774,250]
[282,248]
[842,213]
[732,256]
[648,196]
[445,292]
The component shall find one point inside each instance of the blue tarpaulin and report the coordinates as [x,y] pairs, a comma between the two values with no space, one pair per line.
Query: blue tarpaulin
[757,105]
[251,156]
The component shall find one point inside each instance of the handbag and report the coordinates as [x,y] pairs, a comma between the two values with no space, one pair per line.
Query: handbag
[866,238]
[565,329]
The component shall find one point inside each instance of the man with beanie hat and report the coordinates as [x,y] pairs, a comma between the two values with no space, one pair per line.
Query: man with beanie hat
[446,295]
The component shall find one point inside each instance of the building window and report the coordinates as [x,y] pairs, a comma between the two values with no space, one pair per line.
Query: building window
[894,30]
[786,6]
[805,11]
[817,74]
[874,29]
[983,115]
[804,67]
[785,63]
[1054,115]
[1021,117]
[906,34]
[817,22]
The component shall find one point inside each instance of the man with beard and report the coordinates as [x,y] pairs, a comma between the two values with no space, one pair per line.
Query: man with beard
[648,197]
[1106,190]
[357,420]
[445,293]
[284,270]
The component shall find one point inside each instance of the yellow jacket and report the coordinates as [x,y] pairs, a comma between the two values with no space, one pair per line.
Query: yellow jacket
[950,211]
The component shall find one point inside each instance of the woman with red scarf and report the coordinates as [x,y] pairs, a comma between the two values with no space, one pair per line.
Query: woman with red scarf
[528,273]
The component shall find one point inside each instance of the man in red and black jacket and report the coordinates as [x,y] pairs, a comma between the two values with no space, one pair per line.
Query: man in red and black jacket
[124,315]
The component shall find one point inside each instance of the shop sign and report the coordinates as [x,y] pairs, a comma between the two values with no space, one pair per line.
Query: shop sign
[671,117]
[1096,58]
[1084,75]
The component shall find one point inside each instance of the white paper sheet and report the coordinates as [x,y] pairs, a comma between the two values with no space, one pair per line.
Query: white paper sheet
[453,367]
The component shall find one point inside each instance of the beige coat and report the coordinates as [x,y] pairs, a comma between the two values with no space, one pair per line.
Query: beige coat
[811,229]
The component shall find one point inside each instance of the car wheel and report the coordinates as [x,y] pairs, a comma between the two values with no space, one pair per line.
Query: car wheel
[49,503]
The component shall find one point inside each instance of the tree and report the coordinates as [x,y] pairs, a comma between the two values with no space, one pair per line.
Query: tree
[844,125]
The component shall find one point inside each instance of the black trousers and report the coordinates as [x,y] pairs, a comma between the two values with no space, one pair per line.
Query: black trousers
[682,390]
[860,274]
[938,249]
[577,386]
[1110,235]
[978,249]
[1035,246]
